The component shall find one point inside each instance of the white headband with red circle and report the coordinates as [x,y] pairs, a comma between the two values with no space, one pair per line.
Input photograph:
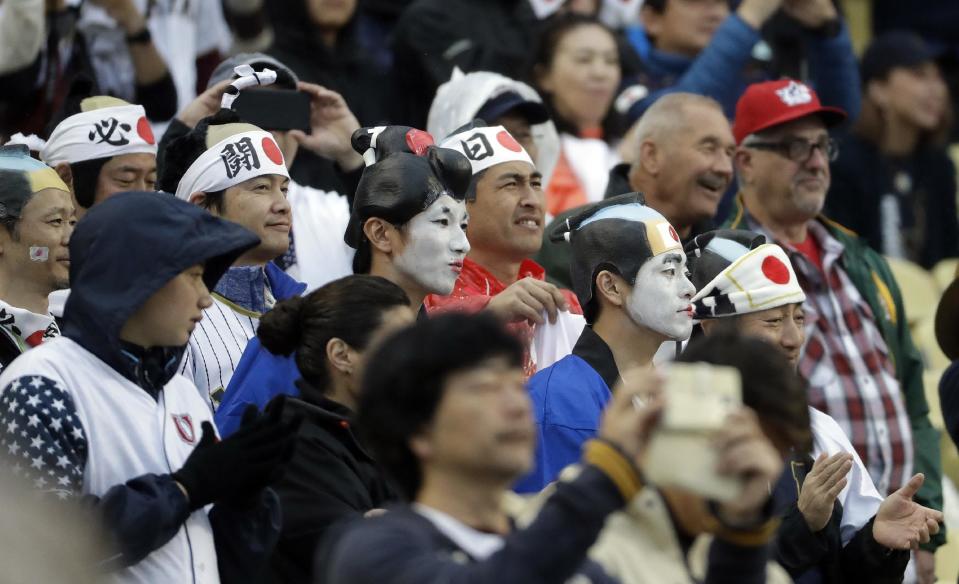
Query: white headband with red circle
[759,280]
[231,161]
[487,146]
[100,133]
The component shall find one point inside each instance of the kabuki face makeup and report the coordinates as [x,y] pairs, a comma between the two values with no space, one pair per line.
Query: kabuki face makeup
[660,299]
[436,245]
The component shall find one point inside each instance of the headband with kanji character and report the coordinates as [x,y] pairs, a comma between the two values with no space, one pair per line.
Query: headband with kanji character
[105,127]
[487,146]
[619,234]
[236,152]
[737,272]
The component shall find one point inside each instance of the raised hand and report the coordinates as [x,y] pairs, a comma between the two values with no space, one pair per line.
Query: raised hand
[332,125]
[903,524]
[746,453]
[526,299]
[822,485]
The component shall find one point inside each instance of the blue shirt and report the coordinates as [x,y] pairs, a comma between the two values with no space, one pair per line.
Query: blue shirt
[568,401]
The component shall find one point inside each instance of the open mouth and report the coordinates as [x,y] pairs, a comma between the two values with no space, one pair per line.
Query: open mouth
[531,223]
[712,183]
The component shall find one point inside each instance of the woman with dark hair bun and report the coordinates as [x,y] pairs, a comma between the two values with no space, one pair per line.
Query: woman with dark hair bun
[331,477]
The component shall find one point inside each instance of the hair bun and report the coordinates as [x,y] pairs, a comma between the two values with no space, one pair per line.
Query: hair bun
[281,329]
[453,169]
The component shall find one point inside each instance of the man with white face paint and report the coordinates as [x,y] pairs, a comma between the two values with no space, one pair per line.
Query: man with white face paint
[629,273]
[407,225]
[836,527]
[36,220]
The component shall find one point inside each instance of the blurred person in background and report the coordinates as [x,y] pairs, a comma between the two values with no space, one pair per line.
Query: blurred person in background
[576,68]
[32,93]
[703,46]
[318,40]
[894,183]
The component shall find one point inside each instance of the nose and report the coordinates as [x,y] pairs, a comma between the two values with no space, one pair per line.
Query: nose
[793,335]
[205,301]
[818,159]
[532,199]
[458,242]
[516,399]
[280,204]
[688,289]
[723,164]
[67,232]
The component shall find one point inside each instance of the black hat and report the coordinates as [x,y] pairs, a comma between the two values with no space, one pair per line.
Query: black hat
[891,50]
[618,234]
[508,101]
[405,173]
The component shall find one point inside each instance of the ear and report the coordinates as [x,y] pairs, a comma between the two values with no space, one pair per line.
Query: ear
[650,157]
[709,325]
[611,288]
[197,198]
[66,174]
[341,356]
[652,21]
[743,164]
[422,446]
[877,92]
[380,234]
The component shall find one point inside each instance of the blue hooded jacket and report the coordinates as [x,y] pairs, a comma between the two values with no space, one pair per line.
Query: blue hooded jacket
[122,252]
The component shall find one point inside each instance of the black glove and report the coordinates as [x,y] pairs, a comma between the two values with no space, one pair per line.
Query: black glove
[241,465]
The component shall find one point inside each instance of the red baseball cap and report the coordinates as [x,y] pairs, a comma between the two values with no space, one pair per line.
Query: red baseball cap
[768,104]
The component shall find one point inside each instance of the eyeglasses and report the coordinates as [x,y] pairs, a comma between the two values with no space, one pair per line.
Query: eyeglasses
[799,149]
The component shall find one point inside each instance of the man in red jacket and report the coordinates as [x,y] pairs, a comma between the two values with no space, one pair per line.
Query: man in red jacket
[506,203]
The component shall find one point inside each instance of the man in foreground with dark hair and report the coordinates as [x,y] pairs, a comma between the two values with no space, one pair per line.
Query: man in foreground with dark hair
[450,420]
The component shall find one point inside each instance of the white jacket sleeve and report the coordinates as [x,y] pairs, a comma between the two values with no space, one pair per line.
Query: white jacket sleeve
[23,30]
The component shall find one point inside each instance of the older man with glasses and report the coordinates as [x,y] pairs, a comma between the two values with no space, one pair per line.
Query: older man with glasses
[859,358]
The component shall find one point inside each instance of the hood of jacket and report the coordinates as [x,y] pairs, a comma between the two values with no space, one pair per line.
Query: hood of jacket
[127,248]
[458,100]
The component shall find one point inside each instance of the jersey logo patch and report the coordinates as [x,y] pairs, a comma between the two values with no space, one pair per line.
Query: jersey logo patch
[184,427]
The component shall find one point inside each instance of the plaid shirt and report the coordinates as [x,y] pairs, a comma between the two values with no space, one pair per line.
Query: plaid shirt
[847,364]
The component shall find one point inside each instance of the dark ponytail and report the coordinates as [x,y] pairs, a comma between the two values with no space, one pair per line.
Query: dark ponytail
[350,309]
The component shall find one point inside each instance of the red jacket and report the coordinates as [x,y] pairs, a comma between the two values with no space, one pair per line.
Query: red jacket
[476,286]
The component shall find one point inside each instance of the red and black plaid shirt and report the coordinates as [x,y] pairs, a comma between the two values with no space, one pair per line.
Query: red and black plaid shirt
[846,362]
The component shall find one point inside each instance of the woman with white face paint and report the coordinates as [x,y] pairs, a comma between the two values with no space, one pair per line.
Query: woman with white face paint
[409,217]
[434,243]
[629,273]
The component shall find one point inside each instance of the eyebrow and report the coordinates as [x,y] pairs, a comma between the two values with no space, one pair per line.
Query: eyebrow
[673,258]
[517,176]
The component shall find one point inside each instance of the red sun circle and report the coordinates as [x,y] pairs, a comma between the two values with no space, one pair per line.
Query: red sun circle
[419,141]
[775,270]
[673,234]
[145,131]
[272,151]
[508,142]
